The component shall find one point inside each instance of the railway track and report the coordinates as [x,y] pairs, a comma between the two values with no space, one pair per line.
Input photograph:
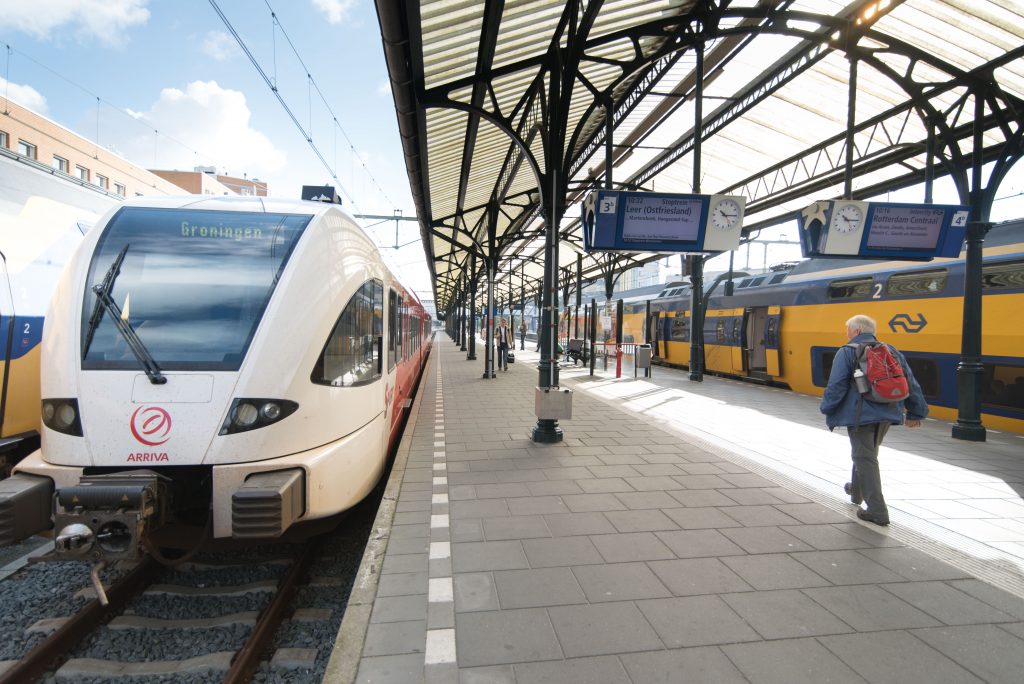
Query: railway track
[151,634]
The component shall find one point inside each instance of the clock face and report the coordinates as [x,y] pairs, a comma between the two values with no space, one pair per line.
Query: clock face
[725,215]
[847,219]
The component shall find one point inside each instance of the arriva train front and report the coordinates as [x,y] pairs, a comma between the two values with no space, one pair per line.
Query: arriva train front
[176,378]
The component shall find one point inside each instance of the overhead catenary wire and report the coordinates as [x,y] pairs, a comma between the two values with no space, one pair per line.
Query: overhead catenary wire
[323,99]
[288,110]
[134,116]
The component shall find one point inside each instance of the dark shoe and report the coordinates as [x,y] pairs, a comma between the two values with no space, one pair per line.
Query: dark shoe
[872,518]
[854,498]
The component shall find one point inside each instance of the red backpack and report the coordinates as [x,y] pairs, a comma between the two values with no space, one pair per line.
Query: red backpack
[886,383]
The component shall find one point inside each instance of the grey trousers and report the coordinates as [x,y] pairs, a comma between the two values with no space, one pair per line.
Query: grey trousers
[865,441]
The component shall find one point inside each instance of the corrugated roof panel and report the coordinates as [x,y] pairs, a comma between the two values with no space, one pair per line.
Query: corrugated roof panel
[617,15]
[509,89]
[451,36]
[526,30]
[800,115]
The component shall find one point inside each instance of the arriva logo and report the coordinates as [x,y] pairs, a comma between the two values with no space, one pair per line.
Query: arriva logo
[151,425]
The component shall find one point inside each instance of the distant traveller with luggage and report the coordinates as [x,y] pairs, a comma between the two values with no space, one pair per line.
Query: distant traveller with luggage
[522,336]
[870,388]
[503,336]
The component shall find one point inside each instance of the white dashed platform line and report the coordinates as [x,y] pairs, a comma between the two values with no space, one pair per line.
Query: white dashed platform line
[440,640]
[440,647]
[440,590]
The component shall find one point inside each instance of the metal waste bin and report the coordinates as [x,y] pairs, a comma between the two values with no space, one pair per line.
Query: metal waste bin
[644,353]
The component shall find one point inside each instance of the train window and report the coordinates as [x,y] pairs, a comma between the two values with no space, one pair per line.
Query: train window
[392,328]
[756,281]
[859,288]
[720,331]
[680,330]
[745,282]
[193,285]
[1008,275]
[917,283]
[352,356]
[777,278]
[926,372]
[1003,386]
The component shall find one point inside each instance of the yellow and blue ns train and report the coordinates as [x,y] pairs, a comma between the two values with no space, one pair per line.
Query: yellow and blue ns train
[34,246]
[785,327]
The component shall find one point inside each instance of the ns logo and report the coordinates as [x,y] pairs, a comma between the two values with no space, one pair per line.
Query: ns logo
[902,322]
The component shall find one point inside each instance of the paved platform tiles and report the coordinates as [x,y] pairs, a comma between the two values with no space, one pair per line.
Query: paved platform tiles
[633,553]
[961,501]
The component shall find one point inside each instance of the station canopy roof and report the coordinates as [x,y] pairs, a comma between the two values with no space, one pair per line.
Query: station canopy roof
[472,82]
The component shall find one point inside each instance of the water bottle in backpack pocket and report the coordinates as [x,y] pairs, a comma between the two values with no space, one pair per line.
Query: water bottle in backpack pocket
[878,375]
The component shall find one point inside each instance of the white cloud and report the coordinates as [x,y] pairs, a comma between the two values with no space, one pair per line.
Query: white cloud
[103,19]
[337,11]
[25,95]
[384,88]
[220,45]
[210,120]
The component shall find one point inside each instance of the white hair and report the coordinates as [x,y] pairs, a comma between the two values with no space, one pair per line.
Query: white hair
[865,324]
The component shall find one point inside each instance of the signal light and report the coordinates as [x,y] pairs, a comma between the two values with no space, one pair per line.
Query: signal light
[252,414]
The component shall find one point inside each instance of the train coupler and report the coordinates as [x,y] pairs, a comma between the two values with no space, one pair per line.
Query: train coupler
[110,516]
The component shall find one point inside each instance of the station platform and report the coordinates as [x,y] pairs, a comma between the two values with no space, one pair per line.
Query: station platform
[682,531]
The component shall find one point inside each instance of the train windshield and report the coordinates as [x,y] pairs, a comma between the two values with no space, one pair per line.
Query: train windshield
[193,285]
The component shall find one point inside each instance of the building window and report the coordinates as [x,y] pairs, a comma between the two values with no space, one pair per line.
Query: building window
[102,182]
[4,142]
[119,189]
[60,163]
[26,149]
[82,172]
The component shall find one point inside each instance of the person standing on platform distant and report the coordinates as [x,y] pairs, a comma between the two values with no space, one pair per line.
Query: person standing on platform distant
[522,336]
[504,339]
[867,421]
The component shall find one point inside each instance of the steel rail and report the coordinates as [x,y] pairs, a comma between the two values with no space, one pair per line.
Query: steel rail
[49,653]
[248,658]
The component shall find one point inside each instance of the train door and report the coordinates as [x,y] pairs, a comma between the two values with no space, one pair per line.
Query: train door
[654,332]
[773,324]
[756,318]
[762,337]
[6,336]
[394,346]
[737,335]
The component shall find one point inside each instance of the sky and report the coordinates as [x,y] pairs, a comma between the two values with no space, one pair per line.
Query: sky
[164,84]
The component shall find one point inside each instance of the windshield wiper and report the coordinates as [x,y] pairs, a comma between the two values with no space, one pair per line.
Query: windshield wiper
[104,302]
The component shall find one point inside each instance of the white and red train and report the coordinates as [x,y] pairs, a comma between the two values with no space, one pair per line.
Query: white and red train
[238,365]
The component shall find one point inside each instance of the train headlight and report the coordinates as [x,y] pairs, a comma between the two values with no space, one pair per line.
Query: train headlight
[270,411]
[251,414]
[246,415]
[62,415]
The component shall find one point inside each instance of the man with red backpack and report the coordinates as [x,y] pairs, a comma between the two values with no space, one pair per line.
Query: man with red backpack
[869,389]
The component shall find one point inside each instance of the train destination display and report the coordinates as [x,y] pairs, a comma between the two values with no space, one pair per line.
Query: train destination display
[619,221]
[874,230]
[901,227]
[661,219]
